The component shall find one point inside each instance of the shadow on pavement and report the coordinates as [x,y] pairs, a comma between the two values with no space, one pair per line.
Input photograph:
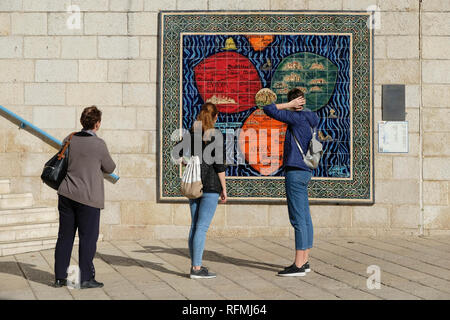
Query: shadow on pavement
[214,257]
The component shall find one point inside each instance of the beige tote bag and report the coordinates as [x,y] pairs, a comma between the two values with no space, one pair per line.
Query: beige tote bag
[191,181]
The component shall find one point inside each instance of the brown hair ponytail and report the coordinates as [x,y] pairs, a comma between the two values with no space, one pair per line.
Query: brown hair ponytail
[208,113]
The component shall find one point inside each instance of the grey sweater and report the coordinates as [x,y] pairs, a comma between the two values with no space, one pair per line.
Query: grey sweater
[89,158]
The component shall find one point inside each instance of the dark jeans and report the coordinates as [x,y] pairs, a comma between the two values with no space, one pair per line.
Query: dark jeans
[72,216]
[298,206]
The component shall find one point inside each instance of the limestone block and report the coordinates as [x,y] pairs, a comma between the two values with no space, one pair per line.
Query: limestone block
[87,94]
[126,5]
[77,47]
[149,47]
[397,191]
[126,141]
[11,93]
[152,140]
[33,163]
[397,71]
[48,193]
[11,5]
[56,71]
[139,95]
[137,165]
[105,24]
[42,47]
[278,215]
[111,213]
[143,23]
[435,192]
[243,215]
[402,47]
[435,144]
[380,47]
[181,214]
[377,96]
[374,216]
[383,167]
[436,120]
[406,168]
[357,4]
[131,189]
[10,164]
[128,70]
[92,71]
[436,47]
[157,5]
[325,5]
[436,5]
[45,5]
[435,23]
[436,169]
[220,217]
[240,5]
[123,232]
[413,118]
[118,47]
[45,94]
[29,23]
[412,96]
[11,47]
[192,5]
[58,24]
[54,117]
[92,5]
[145,213]
[436,96]
[331,216]
[153,71]
[398,23]
[437,217]
[436,71]
[28,184]
[16,71]
[146,118]
[378,116]
[398,5]
[5,24]
[116,118]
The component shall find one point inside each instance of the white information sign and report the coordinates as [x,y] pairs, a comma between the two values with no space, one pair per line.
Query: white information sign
[393,137]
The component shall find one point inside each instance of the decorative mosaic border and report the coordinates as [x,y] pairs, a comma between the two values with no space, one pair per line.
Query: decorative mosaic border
[172,24]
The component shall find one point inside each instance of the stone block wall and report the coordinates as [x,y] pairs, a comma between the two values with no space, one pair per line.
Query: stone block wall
[49,73]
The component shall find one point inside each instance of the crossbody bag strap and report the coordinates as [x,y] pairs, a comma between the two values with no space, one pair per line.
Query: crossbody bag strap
[298,144]
[63,151]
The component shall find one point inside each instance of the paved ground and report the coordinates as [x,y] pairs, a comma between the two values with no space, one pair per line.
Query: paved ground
[411,268]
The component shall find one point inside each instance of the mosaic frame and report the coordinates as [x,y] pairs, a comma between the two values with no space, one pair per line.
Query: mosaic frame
[359,188]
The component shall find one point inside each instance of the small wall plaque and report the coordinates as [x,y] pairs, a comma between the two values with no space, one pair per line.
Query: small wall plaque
[393,137]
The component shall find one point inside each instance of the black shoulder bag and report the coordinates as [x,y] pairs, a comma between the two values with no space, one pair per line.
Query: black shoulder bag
[55,169]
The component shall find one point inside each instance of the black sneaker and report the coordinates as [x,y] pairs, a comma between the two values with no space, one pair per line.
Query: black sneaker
[203,273]
[307,268]
[293,271]
[91,284]
[306,265]
[60,283]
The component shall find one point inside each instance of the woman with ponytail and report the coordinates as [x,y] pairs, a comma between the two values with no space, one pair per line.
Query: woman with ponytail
[204,134]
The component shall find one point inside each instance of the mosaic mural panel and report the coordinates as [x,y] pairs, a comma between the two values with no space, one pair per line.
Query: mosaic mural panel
[226,58]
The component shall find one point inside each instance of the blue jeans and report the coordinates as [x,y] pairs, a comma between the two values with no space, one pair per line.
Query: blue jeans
[298,205]
[202,212]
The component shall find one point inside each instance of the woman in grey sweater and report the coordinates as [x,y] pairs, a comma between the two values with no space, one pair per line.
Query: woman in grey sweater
[80,197]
